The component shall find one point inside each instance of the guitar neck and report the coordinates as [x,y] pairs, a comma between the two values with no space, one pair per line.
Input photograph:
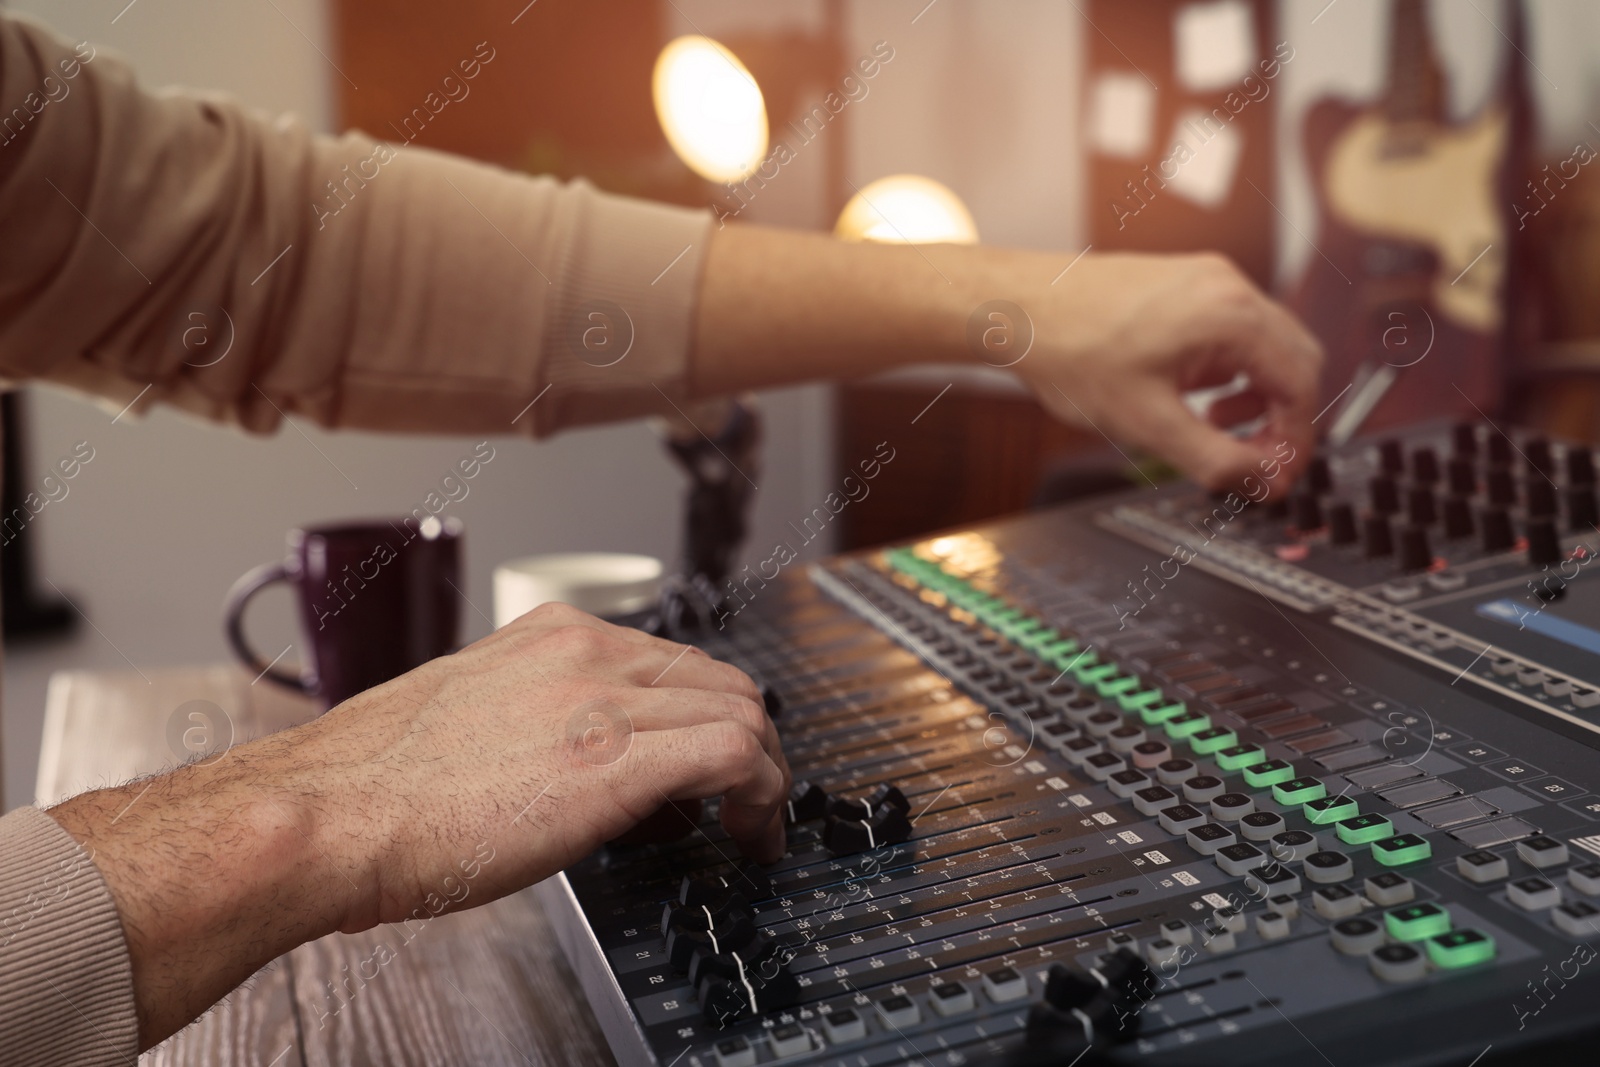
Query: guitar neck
[1416,79]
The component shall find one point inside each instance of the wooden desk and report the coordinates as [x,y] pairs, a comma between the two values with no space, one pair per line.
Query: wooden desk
[486,986]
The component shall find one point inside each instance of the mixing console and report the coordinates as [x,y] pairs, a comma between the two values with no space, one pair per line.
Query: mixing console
[1278,777]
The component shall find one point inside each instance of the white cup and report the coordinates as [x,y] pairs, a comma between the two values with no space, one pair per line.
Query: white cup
[601,583]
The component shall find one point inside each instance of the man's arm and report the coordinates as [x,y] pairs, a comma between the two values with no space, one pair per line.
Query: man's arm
[457,783]
[1116,340]
[376,286]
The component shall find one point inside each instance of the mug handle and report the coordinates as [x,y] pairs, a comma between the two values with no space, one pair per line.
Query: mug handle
[248,585]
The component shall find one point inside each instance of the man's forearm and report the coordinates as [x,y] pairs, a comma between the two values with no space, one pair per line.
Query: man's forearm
[779,307]
[215,871]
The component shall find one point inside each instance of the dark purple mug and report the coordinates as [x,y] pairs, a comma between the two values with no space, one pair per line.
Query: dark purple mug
[375,599]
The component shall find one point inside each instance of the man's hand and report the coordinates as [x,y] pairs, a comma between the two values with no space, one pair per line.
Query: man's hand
[1116,340]
[468,778]
[1122,344]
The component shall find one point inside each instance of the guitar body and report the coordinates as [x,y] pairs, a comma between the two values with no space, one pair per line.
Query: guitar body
[1404,210]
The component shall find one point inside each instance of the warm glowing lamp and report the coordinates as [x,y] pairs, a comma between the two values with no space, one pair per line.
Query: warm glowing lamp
[907,209]
[710,109]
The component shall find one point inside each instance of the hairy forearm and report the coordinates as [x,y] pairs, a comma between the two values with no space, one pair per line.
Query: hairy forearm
[215,870]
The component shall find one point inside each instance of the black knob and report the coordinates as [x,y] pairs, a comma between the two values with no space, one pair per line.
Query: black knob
[771,701]
[1497,533]
[1464,439]
[1306,512]
[1541,497]
[1499,448]
[1580,466]
[1457,517]
[1391,457]
[1501,486]
[1463,477]
[1385,494]
[807,800]
[1319,479]
[1582,512]
[1544,547]
[1377,539]
[1537,449]
[1342,524]
[1425,466]
[1420,509]
[1415,555]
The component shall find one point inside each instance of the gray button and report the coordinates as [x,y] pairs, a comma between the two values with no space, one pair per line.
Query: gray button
[1456,812]
[1416,794]
[1490,834]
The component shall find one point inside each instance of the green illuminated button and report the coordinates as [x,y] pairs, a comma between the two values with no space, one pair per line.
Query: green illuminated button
[1188,724]
[1160,713]
[1298,791]
[1213,740]
[1460,948]
[1003,615]
[1082,661]
[1117,685]
[1238,757]
[1038,639]
[1401,849]
[1272,772]
[1145,698]
[1094,675]
[1363,830]
[1417,922]
[1065,646]
[1330,809]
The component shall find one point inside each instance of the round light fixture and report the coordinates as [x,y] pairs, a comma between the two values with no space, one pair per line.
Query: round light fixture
[710,108]
[907,209]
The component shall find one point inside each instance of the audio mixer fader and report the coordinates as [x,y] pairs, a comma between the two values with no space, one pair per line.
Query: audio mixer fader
[1292,776]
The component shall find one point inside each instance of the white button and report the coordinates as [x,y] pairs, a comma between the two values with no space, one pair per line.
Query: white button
[1584,697]
[1533,894]
[951,998]
[735,1052]
[1482,867]
[789,1039]
[1585,879]
[1529,676]
[1163,953]
[843,1025]
[1335,902]
[899,1011]
[1557,687]
[1178,932]
[1271,926]
[1005,985]
[1542,851]
[1579,919]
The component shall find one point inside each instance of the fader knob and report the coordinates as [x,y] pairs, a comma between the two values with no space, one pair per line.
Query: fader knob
[1497,533]
[1537,449]
[1415,555]
[1457,517]
[1420,508]
[807,800]
[1342,524]
[1582,511]
[1385,494]
[1376,537]
[1391,457]
[1544,546]
[1464,439]
[1306,512]
[1580,466]
[1501,486]
[1499,448]
[1319,479]
[1463,477]
[1425,466]
[1541,497]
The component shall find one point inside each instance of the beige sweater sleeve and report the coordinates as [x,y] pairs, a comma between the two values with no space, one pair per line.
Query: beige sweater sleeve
[176,247]
[66,986]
